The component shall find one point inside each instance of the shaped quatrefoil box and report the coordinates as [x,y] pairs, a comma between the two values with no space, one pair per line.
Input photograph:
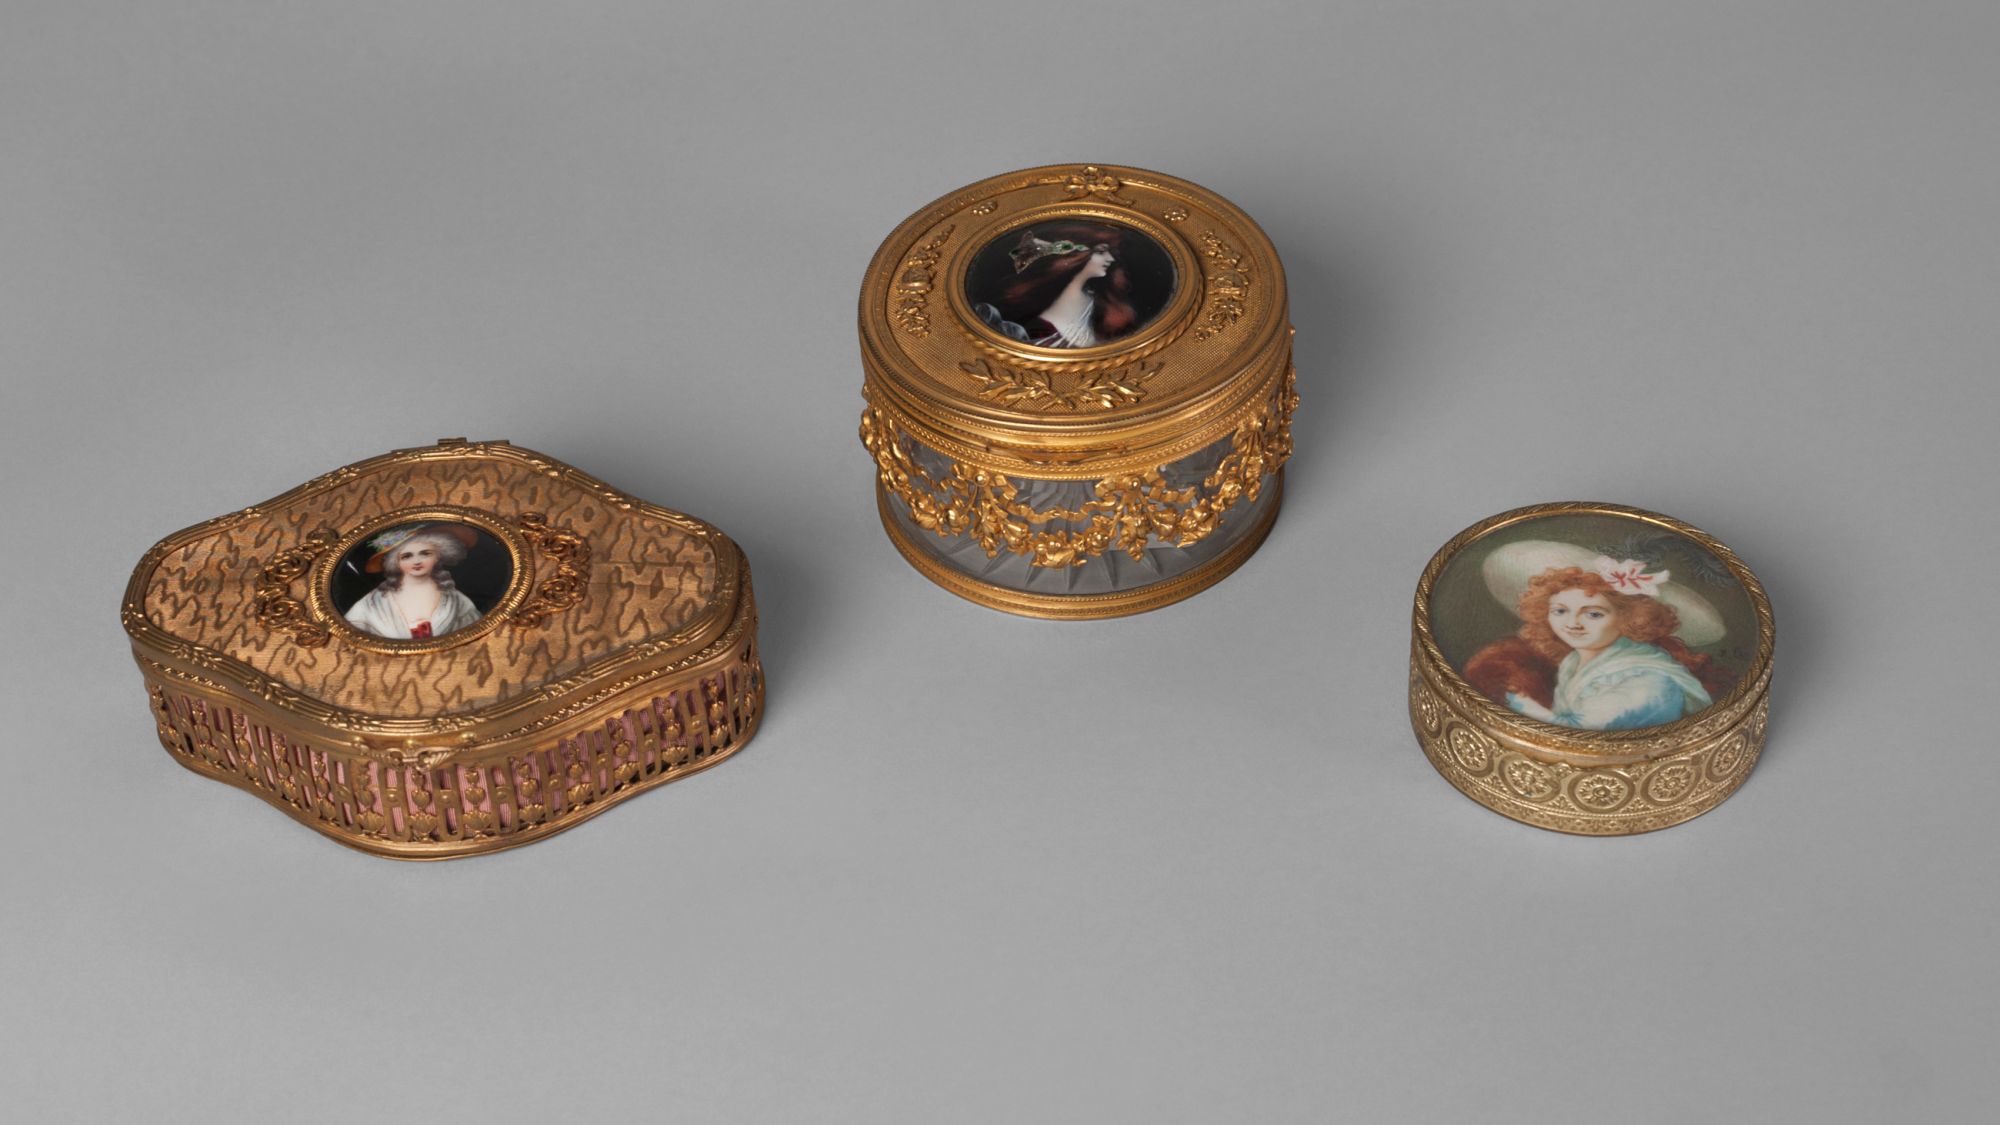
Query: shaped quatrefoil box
[448,650]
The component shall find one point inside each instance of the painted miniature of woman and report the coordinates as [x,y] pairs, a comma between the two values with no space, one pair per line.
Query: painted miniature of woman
[417,599]
[1600,647]
[1069,289]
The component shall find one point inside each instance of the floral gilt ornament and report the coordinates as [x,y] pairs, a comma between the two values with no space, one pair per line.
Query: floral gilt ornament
[1095,183]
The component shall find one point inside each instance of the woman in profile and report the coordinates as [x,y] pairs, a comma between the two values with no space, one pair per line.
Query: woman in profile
[1598,649]
[1069,289]
[417,599]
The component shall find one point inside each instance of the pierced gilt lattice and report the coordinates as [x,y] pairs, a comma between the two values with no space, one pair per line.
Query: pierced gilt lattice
[435,803]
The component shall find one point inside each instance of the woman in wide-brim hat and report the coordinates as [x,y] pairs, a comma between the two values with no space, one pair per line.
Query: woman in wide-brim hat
[417,599]
[1604,644]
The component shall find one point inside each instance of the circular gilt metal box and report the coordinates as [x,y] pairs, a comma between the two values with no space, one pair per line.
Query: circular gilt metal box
[1590,668]
[448,650]
[1080,389]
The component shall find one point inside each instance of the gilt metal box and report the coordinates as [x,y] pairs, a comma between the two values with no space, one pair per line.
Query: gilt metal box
[448,650]
[1079,389]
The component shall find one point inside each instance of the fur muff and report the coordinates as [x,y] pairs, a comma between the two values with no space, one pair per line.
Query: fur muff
[1511,664]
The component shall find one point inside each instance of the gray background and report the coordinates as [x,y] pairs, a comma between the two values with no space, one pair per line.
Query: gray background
[1735,262]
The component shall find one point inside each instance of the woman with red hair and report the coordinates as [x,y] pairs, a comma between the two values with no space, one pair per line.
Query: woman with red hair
[1599,645]
[1069,288]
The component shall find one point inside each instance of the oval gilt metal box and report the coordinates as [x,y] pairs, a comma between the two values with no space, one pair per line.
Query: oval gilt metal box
[1080,389]
[448,650]
[1591,668]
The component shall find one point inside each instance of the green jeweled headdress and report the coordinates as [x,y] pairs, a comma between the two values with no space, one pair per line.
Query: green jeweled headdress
[1032,250]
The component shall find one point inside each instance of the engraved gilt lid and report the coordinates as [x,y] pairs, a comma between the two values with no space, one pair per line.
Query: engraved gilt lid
[1071,321]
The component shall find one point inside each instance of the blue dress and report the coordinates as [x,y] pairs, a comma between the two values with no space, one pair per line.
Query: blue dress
[1629,684]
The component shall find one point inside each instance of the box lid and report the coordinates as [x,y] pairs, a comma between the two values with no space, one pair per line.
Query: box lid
[439,601]
[1071,321]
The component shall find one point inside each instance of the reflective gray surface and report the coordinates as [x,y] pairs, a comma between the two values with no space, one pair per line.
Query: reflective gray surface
[1732,261]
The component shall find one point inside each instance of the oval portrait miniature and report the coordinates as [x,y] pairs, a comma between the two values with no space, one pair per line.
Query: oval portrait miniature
[1581,621]
[421,581]
[1069,283]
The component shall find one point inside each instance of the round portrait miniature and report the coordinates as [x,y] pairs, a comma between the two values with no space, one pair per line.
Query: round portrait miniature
[1581,638]
[1582,621]
[421,581]
[1069,283]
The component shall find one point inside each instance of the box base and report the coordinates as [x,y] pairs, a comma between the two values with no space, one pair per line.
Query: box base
[1622,799]
[421,802]
[1086,607]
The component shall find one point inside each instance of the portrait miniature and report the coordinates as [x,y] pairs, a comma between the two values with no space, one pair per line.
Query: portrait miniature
[1594,631]
[1069,284]
[420,581]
